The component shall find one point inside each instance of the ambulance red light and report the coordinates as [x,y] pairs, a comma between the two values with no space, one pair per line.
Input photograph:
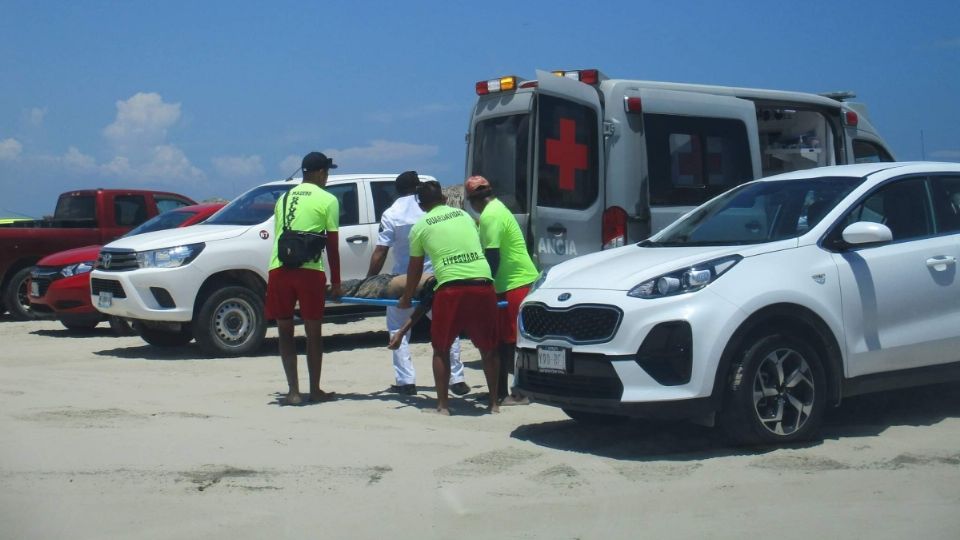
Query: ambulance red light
[502,84]
[482,89]
[614,227]
[589,76]
[851,118]
[529,84]
[633,105]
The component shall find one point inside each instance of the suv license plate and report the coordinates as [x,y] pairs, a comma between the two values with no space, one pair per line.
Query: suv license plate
[105,299]
[552,359]
[34,288]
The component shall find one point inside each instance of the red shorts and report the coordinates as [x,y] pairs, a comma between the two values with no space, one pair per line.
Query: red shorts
[470,308]
[286,286]
[508,315]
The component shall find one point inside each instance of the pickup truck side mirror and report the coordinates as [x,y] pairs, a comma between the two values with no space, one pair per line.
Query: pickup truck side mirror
[864,233]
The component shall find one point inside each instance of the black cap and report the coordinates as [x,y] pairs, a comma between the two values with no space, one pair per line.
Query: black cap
[315,161]
[407,182]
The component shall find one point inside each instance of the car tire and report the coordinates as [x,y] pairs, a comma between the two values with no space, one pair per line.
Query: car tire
[79,324]
[121,327]
[230,322]
[593,418]
[15,296]
[164,338]
[776,393]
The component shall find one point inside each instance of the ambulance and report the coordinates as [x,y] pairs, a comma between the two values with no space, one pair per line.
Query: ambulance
[586,162]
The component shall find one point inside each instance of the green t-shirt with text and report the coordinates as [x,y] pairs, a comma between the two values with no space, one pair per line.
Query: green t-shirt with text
[500,230]
[309,208]
[449,237]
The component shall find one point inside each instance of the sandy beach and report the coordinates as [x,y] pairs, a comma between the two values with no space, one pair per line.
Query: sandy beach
[107,437]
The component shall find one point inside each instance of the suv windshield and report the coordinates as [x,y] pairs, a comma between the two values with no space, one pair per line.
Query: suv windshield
[251,208]
[758,212]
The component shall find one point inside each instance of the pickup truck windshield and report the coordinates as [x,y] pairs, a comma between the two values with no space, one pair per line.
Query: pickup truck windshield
[501,149]
[757,213]
[251,208]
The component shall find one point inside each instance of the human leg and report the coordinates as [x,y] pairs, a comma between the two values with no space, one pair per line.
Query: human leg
[404,371]
[479,319]
[288,355]
[314,329]
[441,377]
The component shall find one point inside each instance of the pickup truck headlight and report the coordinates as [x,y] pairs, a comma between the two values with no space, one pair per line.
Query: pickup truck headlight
[685,280]
[77,269]
[169,257]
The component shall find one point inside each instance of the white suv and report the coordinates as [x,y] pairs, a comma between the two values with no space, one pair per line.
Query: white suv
[208,281]
[760,307]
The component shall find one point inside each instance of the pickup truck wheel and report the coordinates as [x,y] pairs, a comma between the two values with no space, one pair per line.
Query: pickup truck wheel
[230,322]
[776,393]
[79,323]
[164,338]
[15,297]
[592,418]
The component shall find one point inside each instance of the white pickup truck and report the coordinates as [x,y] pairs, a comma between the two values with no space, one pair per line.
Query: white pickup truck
[207,282]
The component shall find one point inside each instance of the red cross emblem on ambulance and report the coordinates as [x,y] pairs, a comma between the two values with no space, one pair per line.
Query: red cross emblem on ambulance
[567,154]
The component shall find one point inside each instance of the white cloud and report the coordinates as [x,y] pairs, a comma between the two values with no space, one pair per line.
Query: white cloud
[118,166]
[238,165]
[75,159]
[168,162]
[950,155]
[10,149]
[291,164]
[35,116]
[380,151]
[142,122]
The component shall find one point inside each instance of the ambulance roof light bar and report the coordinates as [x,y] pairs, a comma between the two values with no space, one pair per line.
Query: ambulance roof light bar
[842,95]
[586,76]
[502,84]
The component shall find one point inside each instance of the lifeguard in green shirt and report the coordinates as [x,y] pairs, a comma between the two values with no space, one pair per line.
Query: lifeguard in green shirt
[513,270]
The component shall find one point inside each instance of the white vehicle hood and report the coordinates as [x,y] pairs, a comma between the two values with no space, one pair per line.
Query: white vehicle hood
[180,237]
[624,268]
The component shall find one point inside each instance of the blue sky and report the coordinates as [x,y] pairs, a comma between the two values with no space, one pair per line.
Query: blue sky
[211,98]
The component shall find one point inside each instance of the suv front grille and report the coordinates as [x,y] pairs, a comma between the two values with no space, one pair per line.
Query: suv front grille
[114,260]
[98,285]
[577,324]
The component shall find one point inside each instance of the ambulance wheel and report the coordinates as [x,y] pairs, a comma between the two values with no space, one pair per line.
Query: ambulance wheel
[164,338]
[230,322]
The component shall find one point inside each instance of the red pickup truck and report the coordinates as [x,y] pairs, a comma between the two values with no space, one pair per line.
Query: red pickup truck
[81,218]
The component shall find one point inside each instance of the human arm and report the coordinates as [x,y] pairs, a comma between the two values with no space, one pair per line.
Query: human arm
[377,259]
[414,273]
[493,259]
[397,337]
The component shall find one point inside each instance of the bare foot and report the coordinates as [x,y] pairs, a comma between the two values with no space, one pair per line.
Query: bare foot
[442,412]
[319,396]
[494,409]
[514,400]
[292,398]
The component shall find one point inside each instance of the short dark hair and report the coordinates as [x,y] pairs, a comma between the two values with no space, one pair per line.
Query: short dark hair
[407,182]
[430,193]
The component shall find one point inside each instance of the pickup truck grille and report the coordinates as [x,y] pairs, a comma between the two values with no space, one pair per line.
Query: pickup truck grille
[113,260]
[107,285]
[577,324]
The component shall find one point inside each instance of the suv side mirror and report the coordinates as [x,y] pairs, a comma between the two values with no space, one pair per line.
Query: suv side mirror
[865,232]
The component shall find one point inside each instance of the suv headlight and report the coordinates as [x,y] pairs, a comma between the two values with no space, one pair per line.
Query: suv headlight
[168,257]
[77,269]
[685,280]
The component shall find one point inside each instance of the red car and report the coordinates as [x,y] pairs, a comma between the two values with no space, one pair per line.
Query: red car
[60,283]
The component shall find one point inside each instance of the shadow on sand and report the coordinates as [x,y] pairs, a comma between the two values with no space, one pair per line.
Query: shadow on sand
[641,440]
[470,405]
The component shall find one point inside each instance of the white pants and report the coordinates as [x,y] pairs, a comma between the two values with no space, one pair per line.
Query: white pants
[402,363]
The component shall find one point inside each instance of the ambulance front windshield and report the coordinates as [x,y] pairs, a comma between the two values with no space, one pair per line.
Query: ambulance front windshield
[501,150]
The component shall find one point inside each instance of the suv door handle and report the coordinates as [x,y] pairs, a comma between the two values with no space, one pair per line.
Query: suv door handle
[557,229]
[941,262]
[358,239]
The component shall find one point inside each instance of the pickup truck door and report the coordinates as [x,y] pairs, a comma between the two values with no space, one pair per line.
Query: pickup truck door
[698,145]
[568,191]
[122,212]
[357,234]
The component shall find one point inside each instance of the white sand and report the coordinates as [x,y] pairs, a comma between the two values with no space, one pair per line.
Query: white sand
[104,437]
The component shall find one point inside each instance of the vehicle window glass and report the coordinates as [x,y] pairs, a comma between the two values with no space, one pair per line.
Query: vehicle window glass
[349,203]
[903,206]
[758,212]
[384,193]
[501,155]
[129,210]
[166,220]
[692,160]
[165,204]
[251,208]
[867,152]
[568,168]
[76,207]
[945,191]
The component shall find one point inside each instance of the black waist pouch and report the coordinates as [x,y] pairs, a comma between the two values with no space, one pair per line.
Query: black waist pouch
[295,248]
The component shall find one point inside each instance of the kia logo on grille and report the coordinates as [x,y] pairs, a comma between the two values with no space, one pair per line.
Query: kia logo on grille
[107,258]
[563,297]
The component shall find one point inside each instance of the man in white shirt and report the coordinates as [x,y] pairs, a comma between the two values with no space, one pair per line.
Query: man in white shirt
[395,225]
